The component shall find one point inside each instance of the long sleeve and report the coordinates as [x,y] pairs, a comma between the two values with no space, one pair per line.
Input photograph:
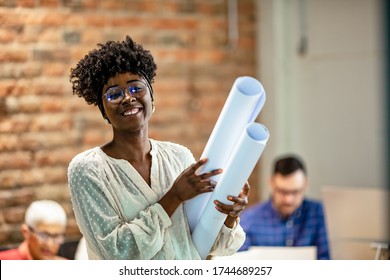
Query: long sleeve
[229,240]
[118,212]
[321,238]
[99,211]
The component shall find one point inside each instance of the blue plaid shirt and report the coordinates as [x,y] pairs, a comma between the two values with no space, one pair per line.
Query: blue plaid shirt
[305,227]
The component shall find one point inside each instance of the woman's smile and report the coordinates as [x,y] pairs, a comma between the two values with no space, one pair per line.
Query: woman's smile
[132,111]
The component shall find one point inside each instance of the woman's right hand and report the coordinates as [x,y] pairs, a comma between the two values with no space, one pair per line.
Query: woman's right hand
[188,185]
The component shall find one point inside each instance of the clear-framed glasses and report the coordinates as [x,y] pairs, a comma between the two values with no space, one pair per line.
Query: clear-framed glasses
[58,238]
[289,192]
[136,88]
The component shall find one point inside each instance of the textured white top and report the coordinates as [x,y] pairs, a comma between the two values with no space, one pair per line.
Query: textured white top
[118,212]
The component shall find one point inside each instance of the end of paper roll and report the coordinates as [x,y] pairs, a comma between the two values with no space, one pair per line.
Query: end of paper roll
[249,86]
[257,132]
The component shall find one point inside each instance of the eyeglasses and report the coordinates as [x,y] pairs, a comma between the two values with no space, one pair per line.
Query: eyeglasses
[286,192]
[115,95]
[45,236]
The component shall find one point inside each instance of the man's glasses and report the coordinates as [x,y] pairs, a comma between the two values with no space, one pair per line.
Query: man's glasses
[290,192]
[115,95]
[45,236]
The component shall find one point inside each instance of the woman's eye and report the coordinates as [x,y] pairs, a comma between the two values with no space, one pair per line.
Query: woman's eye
[134,89]
[114,95]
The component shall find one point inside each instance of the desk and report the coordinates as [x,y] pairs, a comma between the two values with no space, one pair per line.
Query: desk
[381,249]
[274,253]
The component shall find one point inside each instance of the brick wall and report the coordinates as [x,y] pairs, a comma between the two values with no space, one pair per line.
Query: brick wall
[42,125]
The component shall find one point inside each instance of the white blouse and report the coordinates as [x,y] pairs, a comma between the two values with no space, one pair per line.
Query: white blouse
[118,212]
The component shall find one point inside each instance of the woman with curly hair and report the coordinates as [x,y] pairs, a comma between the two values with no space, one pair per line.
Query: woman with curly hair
[128,194]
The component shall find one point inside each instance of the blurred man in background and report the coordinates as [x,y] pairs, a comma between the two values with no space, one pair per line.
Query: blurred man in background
[43,231]
[287,218]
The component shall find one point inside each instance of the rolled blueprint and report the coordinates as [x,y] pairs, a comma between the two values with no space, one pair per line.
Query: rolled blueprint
[239,167]
[244,103]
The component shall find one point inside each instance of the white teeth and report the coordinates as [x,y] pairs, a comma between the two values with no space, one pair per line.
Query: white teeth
[131,112]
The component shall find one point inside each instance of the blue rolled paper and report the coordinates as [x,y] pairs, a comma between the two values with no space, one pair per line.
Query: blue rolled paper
[244,103]
[241,164]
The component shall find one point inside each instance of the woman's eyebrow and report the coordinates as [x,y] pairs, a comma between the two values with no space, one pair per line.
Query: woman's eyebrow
[133,80]
[111,87]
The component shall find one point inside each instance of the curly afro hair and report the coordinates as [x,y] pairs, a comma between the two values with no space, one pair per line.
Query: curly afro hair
[111,58]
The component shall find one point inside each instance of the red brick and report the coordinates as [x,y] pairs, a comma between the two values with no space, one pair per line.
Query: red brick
[90,4]
[112,5]
[31,177]
[52,191]
[49,87]
[12,87]
[54,19]
[25,104]
[50,36]
[11,71]
[51,122]
[90,119]
[43,125]
[10,20]
[30,35]
[48,105]
[7,3]
[5,234]
[77,104]
[134,22]
[98,20]
[14,215]
[11,55]
[15,197]
[92,37]
[9,178]
[51,54]
[169,6]
[15,160]
[171,55]
[96,137]
[15,124]
[49,3]
[7,36]
[78,53]
[26,3]
[60,156]
[174,24]
[75,20]
[8,142]
[57,174]
[16,236]
[54,69]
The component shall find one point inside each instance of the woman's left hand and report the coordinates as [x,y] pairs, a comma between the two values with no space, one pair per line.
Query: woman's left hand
[234,210]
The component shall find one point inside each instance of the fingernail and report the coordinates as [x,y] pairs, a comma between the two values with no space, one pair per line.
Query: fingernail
[215,202]
[230,198]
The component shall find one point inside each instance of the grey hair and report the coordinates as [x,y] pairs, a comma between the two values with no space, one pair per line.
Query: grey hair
[45,211]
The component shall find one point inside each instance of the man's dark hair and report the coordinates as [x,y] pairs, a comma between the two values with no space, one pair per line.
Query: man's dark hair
[288,164]
[111,58]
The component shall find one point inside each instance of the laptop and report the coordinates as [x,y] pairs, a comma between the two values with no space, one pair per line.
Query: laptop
[273,253]
[358,221]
